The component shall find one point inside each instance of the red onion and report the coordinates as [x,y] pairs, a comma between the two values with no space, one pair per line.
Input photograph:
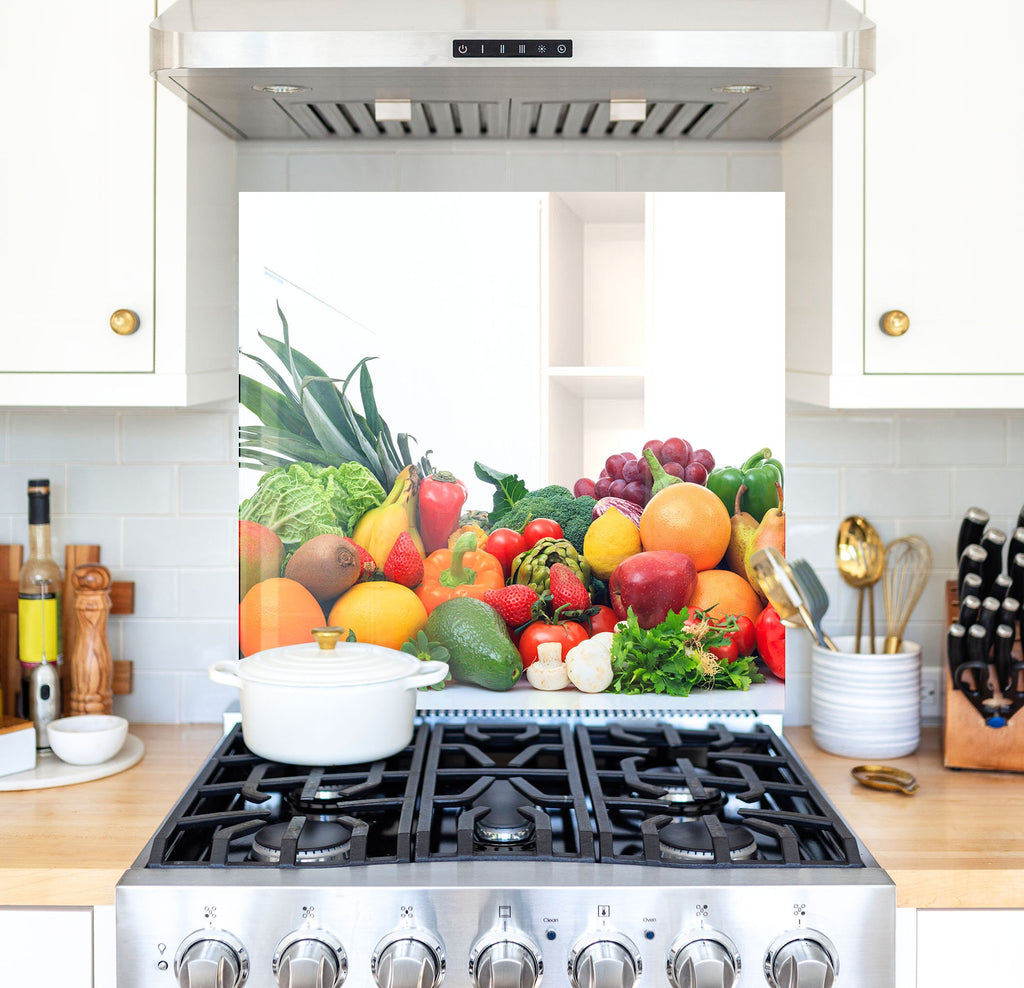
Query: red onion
[628,508]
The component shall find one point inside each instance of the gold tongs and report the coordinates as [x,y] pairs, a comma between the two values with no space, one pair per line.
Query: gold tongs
[885,777]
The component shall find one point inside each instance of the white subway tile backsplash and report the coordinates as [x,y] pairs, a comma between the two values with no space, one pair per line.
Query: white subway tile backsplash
[14,478]
[963,438]
[112,489]
[154,699]
[999,490]
[755,173]
[865,440]
[175,437]
[156,592]
[674,172]
[179,645]
[342,173]
[569,171]
[203,701]
[261,171]
[180,542]
[896,493]
[101,530]
[811,492]
[443,172]
[209,593]
[75,437]
[1015,439]
[208,490]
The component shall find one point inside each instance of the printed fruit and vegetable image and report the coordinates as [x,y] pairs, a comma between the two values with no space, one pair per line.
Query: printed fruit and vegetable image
[635,581]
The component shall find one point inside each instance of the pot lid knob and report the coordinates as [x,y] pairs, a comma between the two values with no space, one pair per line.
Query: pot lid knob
[327,638]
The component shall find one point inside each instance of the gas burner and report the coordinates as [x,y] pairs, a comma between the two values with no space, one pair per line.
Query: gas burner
[502,823]
[682,802]
[318,843]
[326,803]
[691,841]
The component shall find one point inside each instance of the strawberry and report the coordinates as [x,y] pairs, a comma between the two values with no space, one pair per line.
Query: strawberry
[567,590]
[369,566]
[404,563]
[514,603]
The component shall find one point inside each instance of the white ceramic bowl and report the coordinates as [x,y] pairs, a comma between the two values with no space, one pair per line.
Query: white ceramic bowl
[88,739]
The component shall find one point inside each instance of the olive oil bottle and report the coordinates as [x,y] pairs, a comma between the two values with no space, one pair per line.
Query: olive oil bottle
[39,593]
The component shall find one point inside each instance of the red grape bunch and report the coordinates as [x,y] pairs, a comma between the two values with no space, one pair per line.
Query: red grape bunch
[628,476]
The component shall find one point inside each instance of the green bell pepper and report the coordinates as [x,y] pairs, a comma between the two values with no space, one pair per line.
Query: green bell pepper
[760,473]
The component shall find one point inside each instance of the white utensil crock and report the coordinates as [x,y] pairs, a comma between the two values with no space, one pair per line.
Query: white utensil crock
[303,705]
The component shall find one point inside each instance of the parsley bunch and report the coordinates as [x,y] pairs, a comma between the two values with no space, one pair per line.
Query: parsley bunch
[673,658]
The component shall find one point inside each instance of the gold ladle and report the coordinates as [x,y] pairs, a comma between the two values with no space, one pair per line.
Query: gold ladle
[860,559]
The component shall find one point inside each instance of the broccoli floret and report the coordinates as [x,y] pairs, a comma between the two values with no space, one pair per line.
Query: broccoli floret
[574,514]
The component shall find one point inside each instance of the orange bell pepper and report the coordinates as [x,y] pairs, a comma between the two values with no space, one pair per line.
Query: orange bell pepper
[462,571]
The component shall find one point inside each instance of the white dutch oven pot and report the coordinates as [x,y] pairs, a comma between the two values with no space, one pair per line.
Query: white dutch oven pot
[325,705]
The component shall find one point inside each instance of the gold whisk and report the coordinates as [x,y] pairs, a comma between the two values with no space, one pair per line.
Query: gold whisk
[908,564]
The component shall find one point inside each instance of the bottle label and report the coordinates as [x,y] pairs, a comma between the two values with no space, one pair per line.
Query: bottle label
[39,623]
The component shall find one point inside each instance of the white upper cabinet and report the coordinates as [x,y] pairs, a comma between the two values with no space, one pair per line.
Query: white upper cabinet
[99,218]
[906,199]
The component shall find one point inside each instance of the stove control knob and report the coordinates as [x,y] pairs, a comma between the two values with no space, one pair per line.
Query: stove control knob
[310,959]
[605,960]
[211,959]
[706,960]
[505,960]
[801,959]
[408,959]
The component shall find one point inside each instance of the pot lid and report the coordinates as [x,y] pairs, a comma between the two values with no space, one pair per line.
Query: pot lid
[347,664]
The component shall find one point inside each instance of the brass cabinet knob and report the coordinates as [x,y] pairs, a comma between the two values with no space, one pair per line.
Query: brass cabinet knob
[895,323]
[124,322]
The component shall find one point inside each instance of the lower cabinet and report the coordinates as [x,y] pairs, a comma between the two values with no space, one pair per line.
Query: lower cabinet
[969,947]
[44,947]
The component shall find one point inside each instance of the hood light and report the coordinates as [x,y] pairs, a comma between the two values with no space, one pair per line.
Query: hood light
[281,90]
[741,90]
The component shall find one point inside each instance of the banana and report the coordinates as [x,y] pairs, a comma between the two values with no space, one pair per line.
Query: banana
[380,527]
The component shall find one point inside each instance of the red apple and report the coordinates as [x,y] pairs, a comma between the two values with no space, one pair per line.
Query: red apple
[652,583]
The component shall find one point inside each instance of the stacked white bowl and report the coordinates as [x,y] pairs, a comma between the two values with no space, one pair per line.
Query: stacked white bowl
[866,705]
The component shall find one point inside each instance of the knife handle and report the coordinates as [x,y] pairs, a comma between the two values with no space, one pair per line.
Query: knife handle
[977,661]
[973,524]
[956,652]
[1016,570]
[1005,635]
[1001,586]
[988,618]
[1009,612]
[972,560]
[993,542]
[970,608]
[1016,545]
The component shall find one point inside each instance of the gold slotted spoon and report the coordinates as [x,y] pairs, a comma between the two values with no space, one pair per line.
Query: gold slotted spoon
[860,559]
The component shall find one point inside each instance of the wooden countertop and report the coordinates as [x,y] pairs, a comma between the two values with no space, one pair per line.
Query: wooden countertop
[958,843]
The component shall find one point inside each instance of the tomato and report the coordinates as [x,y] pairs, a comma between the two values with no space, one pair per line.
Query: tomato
[541,528]
[604,620]
[568,635]
[506,544]
[727,652]
[744,636]
[771,640]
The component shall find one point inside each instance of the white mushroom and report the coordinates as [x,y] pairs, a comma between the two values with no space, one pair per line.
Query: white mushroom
[547,671]
[589,664]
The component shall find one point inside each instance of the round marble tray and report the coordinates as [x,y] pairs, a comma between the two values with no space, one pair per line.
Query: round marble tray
[50,771]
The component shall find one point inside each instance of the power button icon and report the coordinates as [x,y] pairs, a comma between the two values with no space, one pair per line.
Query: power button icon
[463,49]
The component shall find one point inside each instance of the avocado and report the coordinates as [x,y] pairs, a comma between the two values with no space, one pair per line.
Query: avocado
[480,650]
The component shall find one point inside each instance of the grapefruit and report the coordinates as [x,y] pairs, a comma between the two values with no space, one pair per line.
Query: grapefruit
[721,592]
[687,518]
[277,612]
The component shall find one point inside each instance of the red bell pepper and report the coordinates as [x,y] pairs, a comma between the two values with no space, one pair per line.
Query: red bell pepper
[441,498]
[771,640]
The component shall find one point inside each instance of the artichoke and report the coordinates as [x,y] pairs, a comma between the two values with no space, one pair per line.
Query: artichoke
[533,567]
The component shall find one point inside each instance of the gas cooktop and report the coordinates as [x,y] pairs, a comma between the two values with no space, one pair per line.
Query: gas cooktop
[647,794]
[491,853]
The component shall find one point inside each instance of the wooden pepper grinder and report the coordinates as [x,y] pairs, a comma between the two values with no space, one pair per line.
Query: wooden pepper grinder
[92,670]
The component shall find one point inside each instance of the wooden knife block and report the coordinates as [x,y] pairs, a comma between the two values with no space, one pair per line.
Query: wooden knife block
[967,741]
[122,597]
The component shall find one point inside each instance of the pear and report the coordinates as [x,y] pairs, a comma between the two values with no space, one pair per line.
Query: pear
[771,532]
[743,528]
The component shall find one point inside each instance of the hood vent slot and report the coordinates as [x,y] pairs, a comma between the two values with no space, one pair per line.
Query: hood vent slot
[572,120]
[434,119]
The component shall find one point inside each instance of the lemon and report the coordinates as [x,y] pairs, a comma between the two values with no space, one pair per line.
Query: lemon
[610,539]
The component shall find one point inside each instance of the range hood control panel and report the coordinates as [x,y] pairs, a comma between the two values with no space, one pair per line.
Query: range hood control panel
[515,48]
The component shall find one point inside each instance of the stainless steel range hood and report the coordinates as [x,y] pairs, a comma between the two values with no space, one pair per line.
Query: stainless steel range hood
[497,69]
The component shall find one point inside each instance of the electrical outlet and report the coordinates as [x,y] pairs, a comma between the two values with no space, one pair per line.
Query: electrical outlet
[931,694]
